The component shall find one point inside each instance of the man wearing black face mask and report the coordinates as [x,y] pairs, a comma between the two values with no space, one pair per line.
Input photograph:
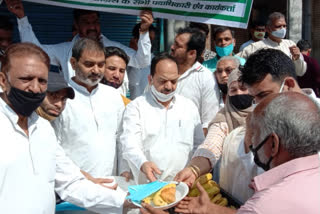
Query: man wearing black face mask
[289,137]
[30,149]
[224,67]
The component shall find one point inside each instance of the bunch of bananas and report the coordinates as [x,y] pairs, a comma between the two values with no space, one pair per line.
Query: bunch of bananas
[163,197]
[211,187]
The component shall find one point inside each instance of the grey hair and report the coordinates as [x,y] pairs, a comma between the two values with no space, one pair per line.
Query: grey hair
[235,60]
[275,15]
[295,121]
[86,44]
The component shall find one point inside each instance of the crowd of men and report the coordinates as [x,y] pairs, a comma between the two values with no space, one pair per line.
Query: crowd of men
[188,109]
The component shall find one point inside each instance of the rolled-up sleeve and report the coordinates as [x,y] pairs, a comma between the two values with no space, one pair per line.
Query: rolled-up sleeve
[212,146]
[140,58]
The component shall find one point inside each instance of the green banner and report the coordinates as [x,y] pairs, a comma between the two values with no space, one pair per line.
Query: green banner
[233,13]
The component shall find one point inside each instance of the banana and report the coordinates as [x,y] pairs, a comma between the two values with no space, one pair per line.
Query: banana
[223,202]
[203,179]
[148,199]
[209,184]
[194,192]
[212,191]
[216,198]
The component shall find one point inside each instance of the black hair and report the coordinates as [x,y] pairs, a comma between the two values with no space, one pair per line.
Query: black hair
[304,45]
[115,51]
[201,26]
[158,58]
[80,12]
[86,44]
[136,33]
[264,62]
[5,23]
[258,23]
[221,29]
[196,42]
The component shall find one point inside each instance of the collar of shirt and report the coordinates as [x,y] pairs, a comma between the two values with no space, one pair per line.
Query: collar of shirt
[196,67]
[13,117]
[154,100]
[82,89]
[273,176]
[272,43]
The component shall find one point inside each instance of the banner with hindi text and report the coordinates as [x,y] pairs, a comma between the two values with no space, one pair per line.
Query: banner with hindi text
[233,13]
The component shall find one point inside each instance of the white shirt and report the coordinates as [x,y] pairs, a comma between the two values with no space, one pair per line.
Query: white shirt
[310,93]
[168,137]
[61,53]
[88,128]
[32,166]
[283,46]
[199,85]
[245,44]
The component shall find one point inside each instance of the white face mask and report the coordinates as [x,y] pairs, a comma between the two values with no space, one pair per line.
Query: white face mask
[160,96]
[282,85]
[281,33]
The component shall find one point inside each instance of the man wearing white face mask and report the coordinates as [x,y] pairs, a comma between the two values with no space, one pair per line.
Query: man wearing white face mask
[276,28]
[161,129]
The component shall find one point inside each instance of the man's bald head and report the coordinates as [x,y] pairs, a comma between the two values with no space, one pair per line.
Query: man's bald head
[294,118]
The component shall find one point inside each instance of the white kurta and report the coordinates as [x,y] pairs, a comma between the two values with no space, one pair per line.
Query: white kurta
[61,53]
[300,65]
[168,137]
[88,128]
[199,85]
[32,166]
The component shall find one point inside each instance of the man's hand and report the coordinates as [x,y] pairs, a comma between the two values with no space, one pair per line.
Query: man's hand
[187,176]
[127,175]
[295,52]
[150,169]
[147,209]
[15,7]
[100,181]
[146,20]
[197,205]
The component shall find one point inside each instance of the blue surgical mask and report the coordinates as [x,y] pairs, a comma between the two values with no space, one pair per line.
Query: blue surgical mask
[224,51]
[281,33]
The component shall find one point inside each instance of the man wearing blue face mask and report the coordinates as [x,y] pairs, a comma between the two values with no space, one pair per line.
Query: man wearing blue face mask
[161,129]
[224,43]
[276,29]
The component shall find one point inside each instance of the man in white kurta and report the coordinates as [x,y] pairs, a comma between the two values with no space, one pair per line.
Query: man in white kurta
[276,28]
[32,164]
[195,81]
[160,127]
[87,24]
[88,127]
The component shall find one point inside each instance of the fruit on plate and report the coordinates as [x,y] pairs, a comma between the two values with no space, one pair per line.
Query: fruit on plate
[163,197]
[212,189]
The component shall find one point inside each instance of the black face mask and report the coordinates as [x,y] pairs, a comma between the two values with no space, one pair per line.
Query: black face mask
[24,103]
[264,166]
[241,101]
[223,88]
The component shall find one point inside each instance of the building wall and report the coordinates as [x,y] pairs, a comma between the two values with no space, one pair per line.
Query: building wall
[315,32]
